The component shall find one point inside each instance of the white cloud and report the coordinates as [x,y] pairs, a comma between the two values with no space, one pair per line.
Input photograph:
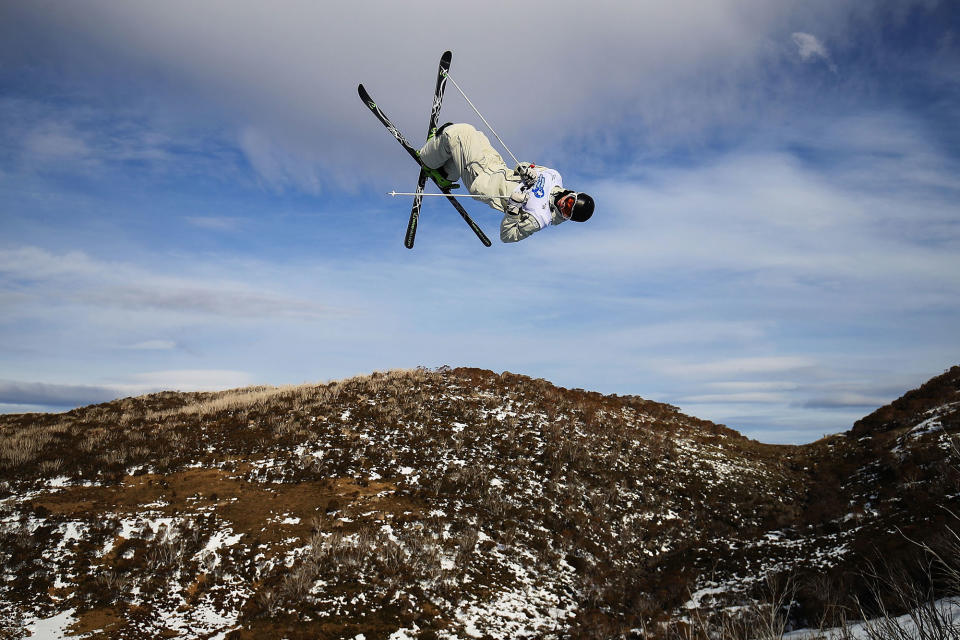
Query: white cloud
[811,49]
[84,136]
[188,380]
[76,278]
[752,386]
[740,398]
[854,234]
[21,393]
[216,223]
[18,395]
[34,263]
[671,69]
[683,332]
[835,400]
[737,367]
[53,142]
[154,345]
[275,164]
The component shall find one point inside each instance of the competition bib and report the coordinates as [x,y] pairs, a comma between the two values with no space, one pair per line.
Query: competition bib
[538,202]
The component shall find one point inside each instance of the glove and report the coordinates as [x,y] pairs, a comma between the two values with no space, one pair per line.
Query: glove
[517,199]
[528,173]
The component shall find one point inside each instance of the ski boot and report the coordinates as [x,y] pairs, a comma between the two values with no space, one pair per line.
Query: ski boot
[439,176]
[441,179]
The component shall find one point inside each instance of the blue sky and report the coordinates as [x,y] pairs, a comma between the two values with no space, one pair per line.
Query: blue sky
[191,197]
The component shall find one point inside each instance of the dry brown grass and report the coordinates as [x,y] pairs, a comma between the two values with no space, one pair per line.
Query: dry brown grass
[23,446]
[394,381]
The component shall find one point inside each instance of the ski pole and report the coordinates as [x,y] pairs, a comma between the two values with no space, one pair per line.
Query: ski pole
[445,195]
[447,74]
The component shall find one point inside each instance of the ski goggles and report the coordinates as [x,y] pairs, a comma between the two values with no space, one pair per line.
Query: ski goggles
[566,203]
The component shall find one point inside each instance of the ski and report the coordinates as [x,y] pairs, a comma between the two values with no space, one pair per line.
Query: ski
[382,117]
[434,117]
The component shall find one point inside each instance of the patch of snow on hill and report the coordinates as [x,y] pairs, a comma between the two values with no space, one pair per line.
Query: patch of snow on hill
[943,615]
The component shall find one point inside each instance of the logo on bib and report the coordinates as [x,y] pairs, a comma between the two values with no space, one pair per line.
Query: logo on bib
[538,188]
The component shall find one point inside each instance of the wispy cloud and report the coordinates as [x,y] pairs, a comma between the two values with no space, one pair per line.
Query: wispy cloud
[216,223]
[277,166]
[811,49]
[229,300]
[25,394]
[188,380]
[54,395]
[682,68]
[90,139]
[855,231]
[735,398]
[856,400]
[154,345]
[77,278]
[739,367]
[752,385]
[55,142]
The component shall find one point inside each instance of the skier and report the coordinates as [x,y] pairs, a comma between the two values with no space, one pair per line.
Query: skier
[531,197]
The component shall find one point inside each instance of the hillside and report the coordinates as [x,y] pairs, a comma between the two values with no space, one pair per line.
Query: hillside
[445,504]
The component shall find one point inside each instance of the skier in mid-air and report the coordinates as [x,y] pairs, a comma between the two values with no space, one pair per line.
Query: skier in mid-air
[531,197]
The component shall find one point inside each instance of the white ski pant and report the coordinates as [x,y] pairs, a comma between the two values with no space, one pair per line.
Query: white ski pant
[466,154]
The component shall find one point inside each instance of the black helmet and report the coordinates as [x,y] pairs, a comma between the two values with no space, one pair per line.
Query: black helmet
[579,211]
[583,208]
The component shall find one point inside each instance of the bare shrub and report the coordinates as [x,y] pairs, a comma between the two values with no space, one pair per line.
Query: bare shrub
[114,582]
[270,602]
[765,619]
[21,449]
[13,624]
[466,544]
[895,591]
[902,605]
[298,582]
[114,457]
[51,467]
[94,439]
[172,547]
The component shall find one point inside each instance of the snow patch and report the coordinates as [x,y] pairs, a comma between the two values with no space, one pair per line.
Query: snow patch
[53,628]
[946,611]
